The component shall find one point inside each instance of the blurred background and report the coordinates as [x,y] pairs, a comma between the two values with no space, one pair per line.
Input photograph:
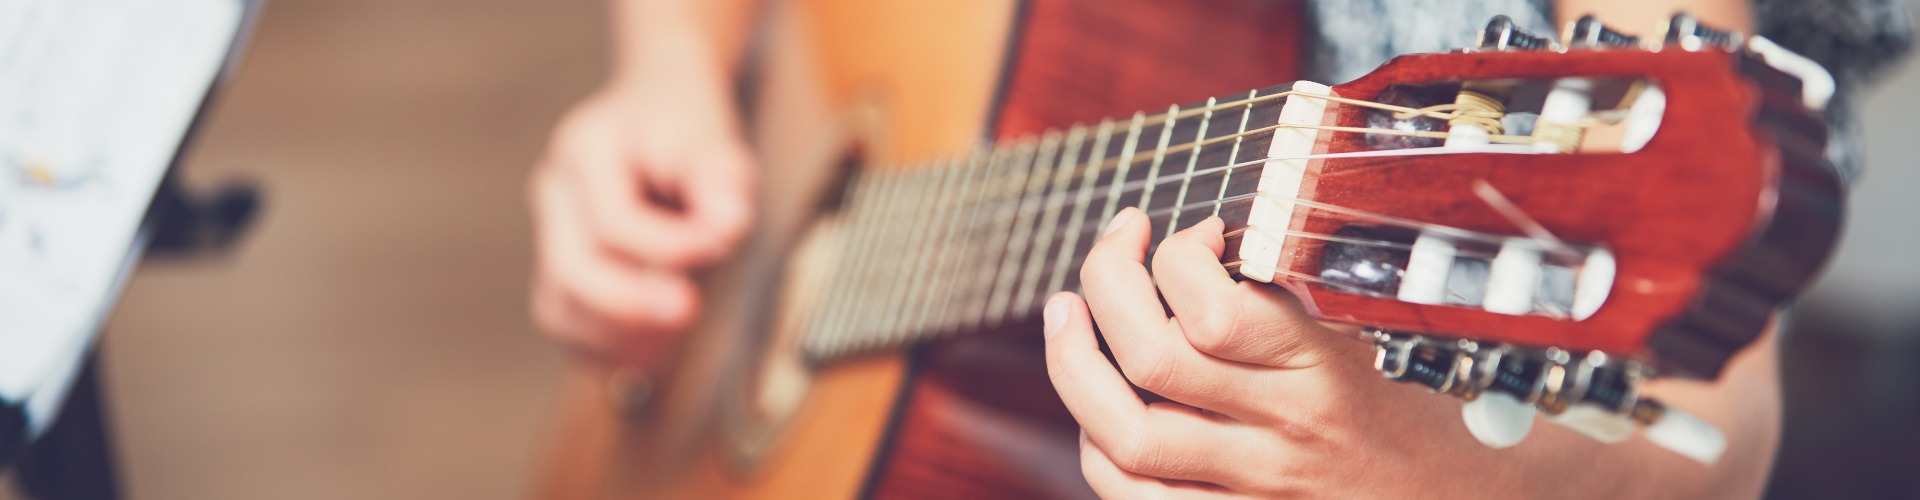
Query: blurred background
[369,338]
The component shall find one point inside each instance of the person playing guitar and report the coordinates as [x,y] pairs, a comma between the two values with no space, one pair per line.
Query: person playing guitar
[649,180]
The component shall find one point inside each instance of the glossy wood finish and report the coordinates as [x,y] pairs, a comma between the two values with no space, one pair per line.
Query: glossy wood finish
[1719,220]
[1084,60]
[974,416]
[981,419]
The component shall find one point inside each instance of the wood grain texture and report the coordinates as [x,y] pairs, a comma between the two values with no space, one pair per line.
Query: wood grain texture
[1692,218]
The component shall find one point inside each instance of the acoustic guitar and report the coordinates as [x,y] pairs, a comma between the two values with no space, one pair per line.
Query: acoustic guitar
[1537,221]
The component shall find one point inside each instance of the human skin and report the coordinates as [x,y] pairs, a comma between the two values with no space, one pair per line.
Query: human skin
[649,179]
[1264,401]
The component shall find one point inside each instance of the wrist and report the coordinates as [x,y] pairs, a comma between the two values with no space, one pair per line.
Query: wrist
[682,39]
[682,56]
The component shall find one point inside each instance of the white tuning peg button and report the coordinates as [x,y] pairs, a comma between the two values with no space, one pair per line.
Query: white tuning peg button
[1688,435]
[1591,421]
[1498,420]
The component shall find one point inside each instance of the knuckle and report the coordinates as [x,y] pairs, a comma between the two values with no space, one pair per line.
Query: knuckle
[1152,371]
[1136,454]
[1216,329]
[1091,469]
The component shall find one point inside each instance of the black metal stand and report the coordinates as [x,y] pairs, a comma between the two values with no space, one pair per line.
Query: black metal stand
[74,459]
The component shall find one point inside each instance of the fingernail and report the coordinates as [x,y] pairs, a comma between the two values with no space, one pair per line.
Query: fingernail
[1053,317]
[1119,219]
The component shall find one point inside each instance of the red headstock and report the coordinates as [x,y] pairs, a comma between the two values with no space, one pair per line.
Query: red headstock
[1719,219]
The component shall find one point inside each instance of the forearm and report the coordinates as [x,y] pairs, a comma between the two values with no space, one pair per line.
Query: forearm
[701,35]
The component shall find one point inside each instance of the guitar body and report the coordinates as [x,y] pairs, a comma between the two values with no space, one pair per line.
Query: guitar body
[850,84]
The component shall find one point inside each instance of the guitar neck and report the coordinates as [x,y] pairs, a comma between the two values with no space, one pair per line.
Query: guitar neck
[981,240]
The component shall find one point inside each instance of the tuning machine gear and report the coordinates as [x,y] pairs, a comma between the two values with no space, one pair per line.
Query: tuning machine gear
[1589,32]
[1688,33]
[1502,34]
[1505,386]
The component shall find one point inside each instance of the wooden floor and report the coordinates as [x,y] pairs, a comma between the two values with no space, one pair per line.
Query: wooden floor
[370,338]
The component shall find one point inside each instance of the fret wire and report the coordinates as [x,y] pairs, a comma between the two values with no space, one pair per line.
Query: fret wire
[1195,145]
[822,319]
[956,309]
[932,246]
[853,312]
[989,232]
[888,250]
[1234,156]
[1091,231]
[933,306]
[964,196]
[906,276]
[939,202]
[1065,256]
[1193,159]
[1262,161]
[1249,197]
[1255,98]
[1155,217]
[929,255]
[1050,220]
[982,237]
[1120,177]
[981,261]
[1159,155]
[1131,186]
[1017,246]
[862,314]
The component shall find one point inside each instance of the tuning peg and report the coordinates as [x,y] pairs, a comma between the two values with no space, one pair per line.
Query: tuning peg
[1686,32]
[1590,32]
[1683,433]
[1502,34]
[1498,420]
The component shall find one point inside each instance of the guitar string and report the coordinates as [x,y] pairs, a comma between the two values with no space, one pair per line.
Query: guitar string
[1049,204]
[1325,236]
[1167,119]
[1305,234]
[1138,185]
[1133,186]
[1441,111]
[1447,111]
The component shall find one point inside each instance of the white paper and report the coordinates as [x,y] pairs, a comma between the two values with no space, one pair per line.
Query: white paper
[95,96]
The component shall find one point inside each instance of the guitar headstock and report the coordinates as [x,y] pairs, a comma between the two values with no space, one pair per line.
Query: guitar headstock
[1605,203]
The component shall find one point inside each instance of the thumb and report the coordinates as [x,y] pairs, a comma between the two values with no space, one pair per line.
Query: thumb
[720,195]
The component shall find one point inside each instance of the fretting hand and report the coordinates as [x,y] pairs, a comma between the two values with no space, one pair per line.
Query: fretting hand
[1266,401]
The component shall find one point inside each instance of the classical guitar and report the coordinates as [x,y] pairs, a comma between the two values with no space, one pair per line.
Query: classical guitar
[1534,225]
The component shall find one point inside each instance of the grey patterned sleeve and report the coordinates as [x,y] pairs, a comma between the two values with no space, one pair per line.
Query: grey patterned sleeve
[1856,40]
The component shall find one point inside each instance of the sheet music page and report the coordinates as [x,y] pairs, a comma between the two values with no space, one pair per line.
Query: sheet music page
[95,96]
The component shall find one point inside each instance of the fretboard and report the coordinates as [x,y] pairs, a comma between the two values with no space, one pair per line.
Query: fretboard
[982,239]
